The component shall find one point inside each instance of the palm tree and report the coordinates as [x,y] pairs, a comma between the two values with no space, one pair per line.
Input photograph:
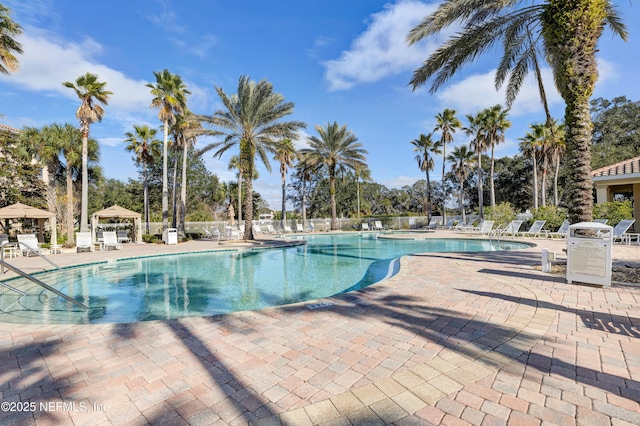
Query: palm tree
[478,145]
[335,149]
[91,93]
[8,44]
[285,154]
[143,143]
[362,173]
[170,97]
[495,123]
[303,172]
[529,145]
[234,163]
[34,144]
[462,161]
[251,119]
[570,31]
[446,124]
[424,146]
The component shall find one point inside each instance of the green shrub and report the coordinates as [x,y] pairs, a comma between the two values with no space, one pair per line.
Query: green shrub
[553,215]
[151,238]
[614,211]
[502,213]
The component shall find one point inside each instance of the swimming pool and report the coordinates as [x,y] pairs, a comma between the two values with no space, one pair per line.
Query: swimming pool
[209,283]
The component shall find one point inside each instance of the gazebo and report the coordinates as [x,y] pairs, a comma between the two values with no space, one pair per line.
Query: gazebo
[22,211]
[622,177]
[117,211]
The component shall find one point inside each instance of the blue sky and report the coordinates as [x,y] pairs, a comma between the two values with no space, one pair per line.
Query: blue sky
[343,61]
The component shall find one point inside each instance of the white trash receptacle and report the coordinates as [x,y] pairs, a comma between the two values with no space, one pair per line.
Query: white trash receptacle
[589,250]
[170,236]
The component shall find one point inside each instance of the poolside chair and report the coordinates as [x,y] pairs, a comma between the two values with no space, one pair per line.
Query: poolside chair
[312,228]
[299,227]
[484,228]
[561,232]
[232,232]
[211,235]
[29,244]
[257,229]
[511,229]
[461,225]
[365,226]
[433,223]
[9,249]
[620,231]
[377,226]
[449,224]
[602,221]
[111,240]
[412,223]
[535,229]
[271,229]
[123,237]
[83,242]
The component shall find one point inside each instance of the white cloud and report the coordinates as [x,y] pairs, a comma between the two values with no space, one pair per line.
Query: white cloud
[381,50]
[400,181]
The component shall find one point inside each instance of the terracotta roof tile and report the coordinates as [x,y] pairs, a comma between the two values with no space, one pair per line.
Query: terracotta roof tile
[9,129]
[625,167]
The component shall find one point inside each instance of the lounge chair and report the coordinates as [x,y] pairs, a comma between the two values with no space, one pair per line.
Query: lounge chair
[123,237]
[561,232]
[449,224]
[271,229]
[257,229]
[83,242]
[299,227]
[287,228]
[461,225]
[485,227]
[9,249]
[412,223]
[312,228]
[111,240]
[365,226]
[511,229]
[232,232]
[433,223]
[377,226]
[211,235]
[620,231]
[535,229]
[602,221]
[29,244]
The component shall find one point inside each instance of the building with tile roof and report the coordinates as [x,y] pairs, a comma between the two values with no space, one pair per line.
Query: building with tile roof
[619,178]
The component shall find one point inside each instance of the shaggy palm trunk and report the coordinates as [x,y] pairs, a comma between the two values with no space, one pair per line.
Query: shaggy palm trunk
[146,198]
[70,237]
[240,197]
[429,197]
[492,185]
[183,190]
[165,179]
[480,195]
[334,212]
[543,189]
[84,198]
[556,201]
[462,199]
[535,179]
[247,155]
[283,179]
[571,29]
[304,203]
[444,195]
[174,216]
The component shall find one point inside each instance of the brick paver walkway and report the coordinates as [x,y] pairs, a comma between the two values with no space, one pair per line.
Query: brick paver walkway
[479,338]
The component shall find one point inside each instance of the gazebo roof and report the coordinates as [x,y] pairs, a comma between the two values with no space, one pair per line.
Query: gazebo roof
[116,211]
[19,210]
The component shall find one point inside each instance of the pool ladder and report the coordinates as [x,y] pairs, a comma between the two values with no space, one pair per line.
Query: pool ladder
[4,264]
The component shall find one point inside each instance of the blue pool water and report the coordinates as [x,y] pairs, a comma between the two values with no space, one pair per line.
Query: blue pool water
[210,283]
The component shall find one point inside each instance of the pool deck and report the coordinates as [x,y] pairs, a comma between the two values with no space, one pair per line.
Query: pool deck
[463,338]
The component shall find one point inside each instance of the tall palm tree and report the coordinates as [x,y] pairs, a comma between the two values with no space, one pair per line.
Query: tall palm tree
[335,148]
[252,119]
[184,130]
[35,144]
[91,93]
[478,145]
[462,162]
[446,124]
[303,172]
[170,98]
[495,123]
[570,32]
[9,29]
[529,145]
[424,146]
[285,154]
[143,143]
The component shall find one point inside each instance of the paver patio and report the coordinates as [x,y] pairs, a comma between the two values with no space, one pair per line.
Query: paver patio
[466,338]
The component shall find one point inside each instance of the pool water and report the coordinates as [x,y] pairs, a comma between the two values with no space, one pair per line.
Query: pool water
[209,283]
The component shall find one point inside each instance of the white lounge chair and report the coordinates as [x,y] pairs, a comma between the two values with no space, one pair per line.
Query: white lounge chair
[602,221]
[83,242]
[620,231]
[433,223]
[287,228]
[561,232]
[449,224]
[485,228]
[232,233]
[312,228]
[111,240]
[29,244]
[377,226]
[299,227]
[215,235]
[511,229]
[257,229]
[271,229]
[535,229]
[123,237]
[365,226]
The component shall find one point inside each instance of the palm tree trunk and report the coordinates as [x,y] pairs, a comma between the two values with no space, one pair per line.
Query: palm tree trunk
[165,179]
[480,195]
[543,189]
[145,177]
[183,189]
[70,235]
[334,213]
[248,205]
[84,214]
[535,180]
[283,179]
[304,202]
[240,197]
[556,201]
[444,193]
[428,197]
[493,189]
[174,216]
[462,200]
